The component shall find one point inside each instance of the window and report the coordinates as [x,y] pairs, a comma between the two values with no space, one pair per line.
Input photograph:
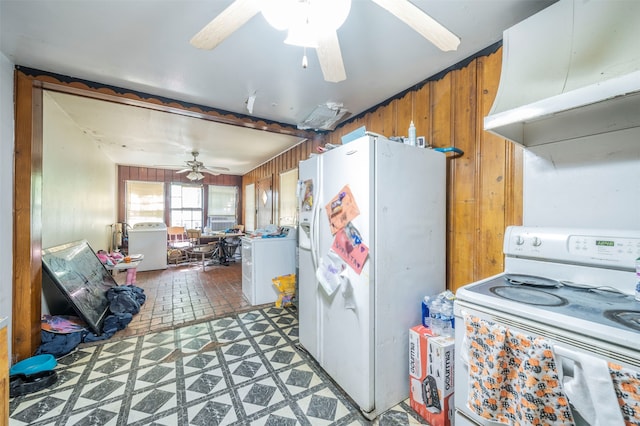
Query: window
[186,205]
[144,202]
[288,208]
[250,207]
[222,208]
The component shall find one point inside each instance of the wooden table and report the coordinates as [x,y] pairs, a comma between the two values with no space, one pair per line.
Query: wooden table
[201,250]
[212,238]
[228,239]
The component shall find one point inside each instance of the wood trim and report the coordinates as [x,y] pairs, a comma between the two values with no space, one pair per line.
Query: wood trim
[27,220]
[65,84]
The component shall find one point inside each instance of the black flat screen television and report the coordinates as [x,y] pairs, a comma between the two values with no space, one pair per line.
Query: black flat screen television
[82,279]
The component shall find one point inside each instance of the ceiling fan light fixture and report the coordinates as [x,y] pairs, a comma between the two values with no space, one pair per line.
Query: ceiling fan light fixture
[194,175]
[303,35]
[286,14]
[278,13]
[329,14]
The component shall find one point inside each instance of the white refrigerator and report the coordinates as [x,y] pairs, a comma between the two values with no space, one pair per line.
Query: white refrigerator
[356,322]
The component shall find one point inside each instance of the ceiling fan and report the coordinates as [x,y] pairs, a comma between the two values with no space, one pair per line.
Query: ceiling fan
[313,23]
[195,167]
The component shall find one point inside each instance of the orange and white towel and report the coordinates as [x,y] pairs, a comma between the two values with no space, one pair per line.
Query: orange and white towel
[627,386]
[513,378]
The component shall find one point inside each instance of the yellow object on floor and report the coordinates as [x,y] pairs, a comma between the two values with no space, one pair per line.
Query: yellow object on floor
[286,286]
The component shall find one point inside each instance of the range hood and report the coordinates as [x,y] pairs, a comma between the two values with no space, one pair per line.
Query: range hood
[569,71]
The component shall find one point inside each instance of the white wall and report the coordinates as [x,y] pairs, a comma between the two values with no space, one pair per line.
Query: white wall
[6,189]
[79,191]
[589,182]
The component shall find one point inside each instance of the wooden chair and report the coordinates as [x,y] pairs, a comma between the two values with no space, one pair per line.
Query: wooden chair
[177,244]
[177,237]
[194,236]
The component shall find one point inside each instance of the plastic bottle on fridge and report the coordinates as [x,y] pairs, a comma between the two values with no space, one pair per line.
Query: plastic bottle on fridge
[446,316]
[412,134]
[426,319]
[435,314]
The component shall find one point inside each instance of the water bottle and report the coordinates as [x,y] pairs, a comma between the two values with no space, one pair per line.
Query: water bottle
[435,314]
[446,317]
[426,319]
[412,134]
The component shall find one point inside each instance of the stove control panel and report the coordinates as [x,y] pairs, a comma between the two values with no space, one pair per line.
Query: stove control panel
[597,247]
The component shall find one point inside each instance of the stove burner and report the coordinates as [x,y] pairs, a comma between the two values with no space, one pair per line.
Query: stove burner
[528,296]
[629,319]
[530,280]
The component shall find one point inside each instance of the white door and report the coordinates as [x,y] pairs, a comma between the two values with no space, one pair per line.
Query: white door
[347,316]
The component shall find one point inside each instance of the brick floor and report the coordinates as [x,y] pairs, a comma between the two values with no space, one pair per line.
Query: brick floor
[185,293]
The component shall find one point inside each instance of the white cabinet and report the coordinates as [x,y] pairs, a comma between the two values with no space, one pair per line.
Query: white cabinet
[262,260]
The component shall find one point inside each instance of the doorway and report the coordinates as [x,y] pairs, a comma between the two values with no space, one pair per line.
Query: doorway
[264,202]
[27,220]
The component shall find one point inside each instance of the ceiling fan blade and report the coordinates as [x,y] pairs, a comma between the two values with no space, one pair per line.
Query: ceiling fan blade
[211,172]
[330,57]
[422,23]
[183,170]
[223,25]
[214,170]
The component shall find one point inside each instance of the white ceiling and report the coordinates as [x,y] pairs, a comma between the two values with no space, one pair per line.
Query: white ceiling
[144,46]
[144,137]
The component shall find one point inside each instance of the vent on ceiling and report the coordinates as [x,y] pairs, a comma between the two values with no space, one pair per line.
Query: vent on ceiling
[324,117]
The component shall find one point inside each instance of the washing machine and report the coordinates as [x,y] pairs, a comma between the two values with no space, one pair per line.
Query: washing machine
[150,240]
[264,259]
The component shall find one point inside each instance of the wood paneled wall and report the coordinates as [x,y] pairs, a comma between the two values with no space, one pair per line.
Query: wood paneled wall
[147,174]
[282,163]
[484,186]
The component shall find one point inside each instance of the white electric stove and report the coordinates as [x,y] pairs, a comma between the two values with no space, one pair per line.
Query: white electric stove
[573,287]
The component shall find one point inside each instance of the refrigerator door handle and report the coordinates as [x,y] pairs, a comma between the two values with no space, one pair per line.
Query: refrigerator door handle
[313,235]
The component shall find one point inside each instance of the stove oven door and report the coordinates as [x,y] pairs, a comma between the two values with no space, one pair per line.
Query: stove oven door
[585,379]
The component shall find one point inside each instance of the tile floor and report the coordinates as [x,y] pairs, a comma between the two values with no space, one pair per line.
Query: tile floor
[198,354]
[182,294]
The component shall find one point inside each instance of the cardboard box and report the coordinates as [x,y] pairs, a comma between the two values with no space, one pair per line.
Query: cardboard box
[431,360]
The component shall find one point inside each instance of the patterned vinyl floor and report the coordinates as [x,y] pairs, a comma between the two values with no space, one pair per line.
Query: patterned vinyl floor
[243,369]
